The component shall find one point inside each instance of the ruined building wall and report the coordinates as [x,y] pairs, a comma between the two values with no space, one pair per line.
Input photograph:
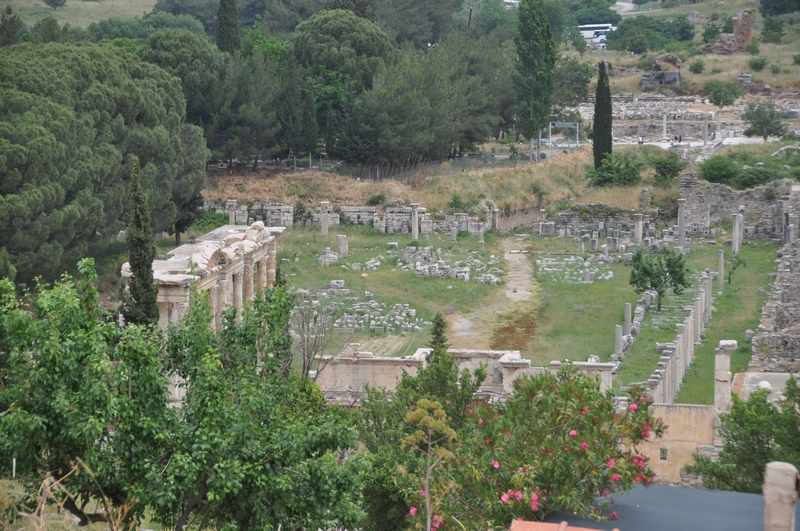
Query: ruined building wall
[710,204]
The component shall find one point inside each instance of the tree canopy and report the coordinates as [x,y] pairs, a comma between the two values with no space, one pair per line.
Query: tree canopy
[659,272]
[69,115]
[762,119]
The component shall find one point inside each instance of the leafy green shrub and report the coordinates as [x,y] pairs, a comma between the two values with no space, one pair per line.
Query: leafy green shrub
[796,58]
[757,64]
[710,33]
[753,48]
[769,194]
[755,177]
[716,70]
[667,168]
[775,69]
[376,199]
[697,66]
[719,170]
[209,221]
[773,30]
[616,170]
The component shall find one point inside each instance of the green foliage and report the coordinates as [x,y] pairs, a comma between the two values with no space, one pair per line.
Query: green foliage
[773,30]
[754,433]
[362,8]
[227,32]
[721,93]
[642,33]
[710,33]
[697,66]
[660,272]
[753,49]
[129,45]
[601,132]
[208,221]
[596,14]
[493,15]
[778,7]
[139,304]
[11,27]
[571,80]
[55,4]
[762,119]
[438,333]
[757,64]
[552,447]
[796,59]
[376,199]
[7,270]
[732,263]
[64,184]
[256,41]
[727,25]
[139,30]
[616,170]
[533,70]
[667,168]
[719,169]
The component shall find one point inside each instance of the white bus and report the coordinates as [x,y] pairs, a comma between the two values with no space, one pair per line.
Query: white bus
[596,33]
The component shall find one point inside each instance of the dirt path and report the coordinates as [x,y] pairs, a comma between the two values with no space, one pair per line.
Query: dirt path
[474,330]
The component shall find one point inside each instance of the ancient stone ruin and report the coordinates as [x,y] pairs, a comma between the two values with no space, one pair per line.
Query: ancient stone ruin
[665,70]
[230,263]
[731,43]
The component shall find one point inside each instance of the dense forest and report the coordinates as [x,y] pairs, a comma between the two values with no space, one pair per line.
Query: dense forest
[367,81]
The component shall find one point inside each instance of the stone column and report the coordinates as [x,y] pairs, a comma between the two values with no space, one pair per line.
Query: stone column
[618,340]
[495,219]
[581,247]
[237,295]
[680,358]
[248,279]
[481,238]
[231,205]
[627,329]
[414,221]
[341,245]
[453,232]
[665,128]
[722,381]
[272,256]
[688,313]
[262,274]
[604,249]
[213,300]
[705,130]
[720,271]
[741,224]
[323,217]
[703,309]
[638,227]
[780,496]
[735,237]
[682,224]
[698,321]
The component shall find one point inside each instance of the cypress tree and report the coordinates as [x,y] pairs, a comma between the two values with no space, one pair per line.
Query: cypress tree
[228,26]
[439,333]
[601,131]
[533,71]
[139,304]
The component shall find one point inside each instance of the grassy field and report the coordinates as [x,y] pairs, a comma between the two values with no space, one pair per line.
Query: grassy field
[79,12]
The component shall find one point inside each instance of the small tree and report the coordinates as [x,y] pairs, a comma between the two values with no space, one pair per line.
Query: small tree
[438,333]
[697,66]
[55,4]
[659,272]
[721,94]
[667,168]
[733,263]
[616,170]
[7,269]
[763,120]
[602,138]
[773,30]
[138,301]
[710,33]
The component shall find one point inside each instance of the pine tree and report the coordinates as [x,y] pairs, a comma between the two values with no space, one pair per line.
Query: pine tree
[228,26]
[139,304]
[601,131]
[533,71]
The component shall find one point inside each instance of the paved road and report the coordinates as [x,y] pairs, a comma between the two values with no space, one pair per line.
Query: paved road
[627,8]
[699,143]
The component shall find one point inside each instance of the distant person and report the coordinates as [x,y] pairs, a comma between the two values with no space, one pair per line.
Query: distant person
[680,139]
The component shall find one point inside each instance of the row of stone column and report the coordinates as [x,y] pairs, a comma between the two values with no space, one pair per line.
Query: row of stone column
[243,289]
[674,362]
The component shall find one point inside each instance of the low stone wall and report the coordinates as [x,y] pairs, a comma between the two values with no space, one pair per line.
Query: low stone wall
[765,207]
[776,345]
[344,378]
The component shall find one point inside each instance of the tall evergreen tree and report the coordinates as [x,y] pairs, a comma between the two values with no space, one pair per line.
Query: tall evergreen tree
[601,131]
[139,300]
[228,26]
[533,72]
[439,333]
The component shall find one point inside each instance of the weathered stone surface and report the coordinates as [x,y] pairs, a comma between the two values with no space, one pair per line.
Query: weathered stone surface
[743,28]
[696,18]
[665,62]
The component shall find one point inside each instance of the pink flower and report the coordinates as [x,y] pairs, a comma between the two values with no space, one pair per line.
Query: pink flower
[645,434]
[633,407]
[613,515]
[640,478]
[534,506]
[534,497]
[595,441]
[584,410]
[518,495]
[504,498]
[573,433]
[611,463]
[584,446]
[605,492]
[508,435]
[413,511]
[644,400]
[422,492]
[614,477]
[647,427]
[487,441]
[480,421]
[494,463]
